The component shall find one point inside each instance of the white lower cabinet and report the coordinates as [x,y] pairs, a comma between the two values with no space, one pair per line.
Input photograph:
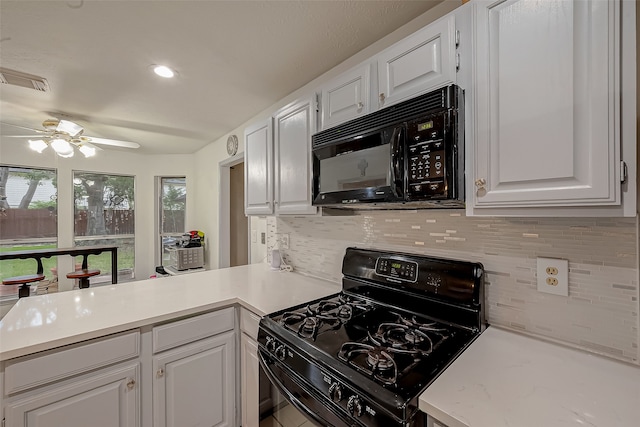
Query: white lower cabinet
[255,394]
[194,371]
[250,382]
[109,398]
[177,374]
[194,384]
[95,383]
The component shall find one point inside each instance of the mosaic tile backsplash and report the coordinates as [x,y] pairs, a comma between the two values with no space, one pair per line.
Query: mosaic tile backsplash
[600,314]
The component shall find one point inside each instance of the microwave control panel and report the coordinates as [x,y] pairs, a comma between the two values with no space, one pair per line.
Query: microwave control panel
[427,165]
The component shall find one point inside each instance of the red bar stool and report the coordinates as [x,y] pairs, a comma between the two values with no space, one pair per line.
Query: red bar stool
[83,276]
[24,290]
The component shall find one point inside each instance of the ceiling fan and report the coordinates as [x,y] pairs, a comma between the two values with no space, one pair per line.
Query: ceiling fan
[63,136]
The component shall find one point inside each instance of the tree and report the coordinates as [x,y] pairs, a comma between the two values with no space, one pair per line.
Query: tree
[34,177]
[4,177]
[102,191]
[173,201]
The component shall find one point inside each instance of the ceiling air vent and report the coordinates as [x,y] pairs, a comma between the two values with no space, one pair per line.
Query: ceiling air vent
[17,78]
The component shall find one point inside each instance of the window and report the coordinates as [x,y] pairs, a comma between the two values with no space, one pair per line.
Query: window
[28,220]
[104,215]
[172,214]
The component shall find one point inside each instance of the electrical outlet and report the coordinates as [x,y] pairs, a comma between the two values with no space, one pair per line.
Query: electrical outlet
[283,240]
[553,276]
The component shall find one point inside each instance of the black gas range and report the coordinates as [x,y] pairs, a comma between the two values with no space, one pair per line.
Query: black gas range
[363,357]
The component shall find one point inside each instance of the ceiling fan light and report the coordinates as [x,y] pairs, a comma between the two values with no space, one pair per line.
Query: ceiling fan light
[68,127]
[62,148]
[163,71]
[37,145]
[87,150]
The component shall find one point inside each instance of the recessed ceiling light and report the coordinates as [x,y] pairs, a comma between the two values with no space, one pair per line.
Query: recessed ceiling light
[163,71]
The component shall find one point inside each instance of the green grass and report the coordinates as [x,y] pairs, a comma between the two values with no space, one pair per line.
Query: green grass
[20,267]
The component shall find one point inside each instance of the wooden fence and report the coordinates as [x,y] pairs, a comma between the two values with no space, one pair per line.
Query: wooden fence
[27,223]
[39,223]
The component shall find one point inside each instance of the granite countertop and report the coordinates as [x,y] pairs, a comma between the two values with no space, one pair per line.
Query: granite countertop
[508,379]
[43,322]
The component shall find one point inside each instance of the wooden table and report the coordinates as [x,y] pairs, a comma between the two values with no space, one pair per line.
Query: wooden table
[83,251]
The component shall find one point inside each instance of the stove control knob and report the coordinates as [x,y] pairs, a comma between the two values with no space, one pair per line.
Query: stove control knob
[281,352]
[335,392]
[271,344]
[354,406]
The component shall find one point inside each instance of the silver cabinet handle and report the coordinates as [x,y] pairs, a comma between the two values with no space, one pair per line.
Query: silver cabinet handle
[160,373]
[131,383]
[481,189]
[360,106]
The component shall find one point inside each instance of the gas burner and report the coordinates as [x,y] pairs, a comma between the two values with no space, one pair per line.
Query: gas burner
[309,324]
[380,359]
[306,324]
[404,337]
[342,308]
[423,326]
[377,362]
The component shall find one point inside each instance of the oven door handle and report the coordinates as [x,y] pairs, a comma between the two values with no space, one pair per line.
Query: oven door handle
[290,397]
[396,169]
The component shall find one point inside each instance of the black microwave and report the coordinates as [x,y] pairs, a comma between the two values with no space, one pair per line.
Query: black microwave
[409,155]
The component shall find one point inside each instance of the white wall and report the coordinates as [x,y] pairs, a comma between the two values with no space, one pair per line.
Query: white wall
[143,167]
[207,159]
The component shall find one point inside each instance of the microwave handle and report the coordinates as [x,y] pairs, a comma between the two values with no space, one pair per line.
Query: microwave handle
[397,168]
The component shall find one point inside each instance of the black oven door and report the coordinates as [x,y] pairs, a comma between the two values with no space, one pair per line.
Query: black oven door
[365,168]
[314,406]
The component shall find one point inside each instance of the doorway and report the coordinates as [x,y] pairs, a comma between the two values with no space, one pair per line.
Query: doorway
[238,224]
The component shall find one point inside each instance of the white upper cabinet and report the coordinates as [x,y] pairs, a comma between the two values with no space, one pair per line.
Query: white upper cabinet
[347,96]
[423,61]
[293,127]
[547,97]
[258,194]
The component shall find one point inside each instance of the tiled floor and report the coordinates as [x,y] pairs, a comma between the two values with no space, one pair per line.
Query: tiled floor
[287,416]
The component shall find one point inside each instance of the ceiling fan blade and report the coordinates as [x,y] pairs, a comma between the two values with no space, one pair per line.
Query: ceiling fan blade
[112,142]
[23,136]
[25,128]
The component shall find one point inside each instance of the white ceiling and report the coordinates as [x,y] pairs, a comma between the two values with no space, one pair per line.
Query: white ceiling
[234,59]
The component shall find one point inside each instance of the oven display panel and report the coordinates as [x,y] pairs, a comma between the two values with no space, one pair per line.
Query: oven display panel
[397,269]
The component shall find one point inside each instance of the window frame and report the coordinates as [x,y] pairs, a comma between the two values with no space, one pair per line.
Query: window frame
[11,293]
[104,278]
[159,216]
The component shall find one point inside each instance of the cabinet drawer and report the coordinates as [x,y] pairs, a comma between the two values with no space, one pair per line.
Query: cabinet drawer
[35,370]
[192,329]
[249,323]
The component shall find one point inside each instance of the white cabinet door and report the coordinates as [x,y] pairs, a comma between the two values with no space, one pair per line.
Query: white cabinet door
[347,96]
[546,104]
[250,386]
[258,157]
[294,126]
[421,62]
[109,398]
[194,385]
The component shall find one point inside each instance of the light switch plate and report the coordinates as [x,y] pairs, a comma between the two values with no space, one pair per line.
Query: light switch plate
[553,276]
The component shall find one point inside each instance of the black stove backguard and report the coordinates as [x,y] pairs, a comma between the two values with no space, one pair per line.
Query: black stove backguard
[448,290]
[363,357]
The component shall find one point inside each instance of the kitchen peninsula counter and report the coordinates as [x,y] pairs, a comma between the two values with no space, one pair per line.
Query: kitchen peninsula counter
[508,379]
[47,321]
